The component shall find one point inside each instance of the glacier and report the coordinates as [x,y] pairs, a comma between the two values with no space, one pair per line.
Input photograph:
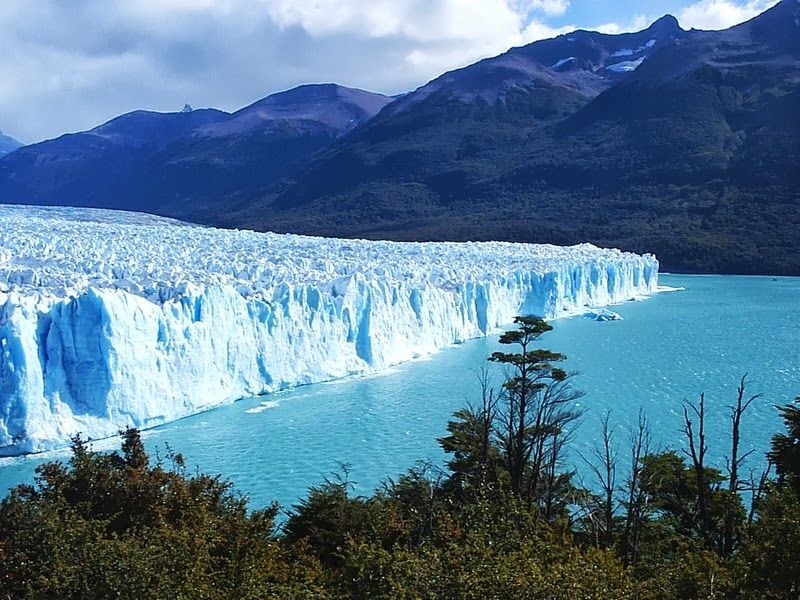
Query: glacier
[110,318]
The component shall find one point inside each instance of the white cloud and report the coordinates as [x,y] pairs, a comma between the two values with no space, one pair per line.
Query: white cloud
[721,14]
[638,23]
[610,28]
[537,30]
[418,20]
[547,7]
[444,33]
[550,7]
[95,59]
[69,65]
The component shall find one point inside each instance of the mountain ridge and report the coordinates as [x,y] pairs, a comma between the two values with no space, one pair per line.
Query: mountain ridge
[162,162]
[8,144]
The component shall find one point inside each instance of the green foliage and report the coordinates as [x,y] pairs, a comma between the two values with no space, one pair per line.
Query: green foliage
[771,557]
[785,452]
[111,525]
[476,460]
[672,489]
[475,569]
[326,519]
[531,419]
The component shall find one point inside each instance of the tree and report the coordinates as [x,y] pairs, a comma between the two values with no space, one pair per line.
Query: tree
[734,509]
[475,458]
[697,453]
[603,464]
[327,517]
[785,451]
[534,412]
[636,500]
[770,555]
[671,491]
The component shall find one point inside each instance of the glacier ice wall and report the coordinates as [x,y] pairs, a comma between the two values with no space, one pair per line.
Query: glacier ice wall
[110,319]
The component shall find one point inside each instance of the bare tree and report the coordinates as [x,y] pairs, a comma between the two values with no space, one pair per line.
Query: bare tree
[487,412]
[555,490]
[603,465]
[757,487]
[697,453]
[735,462]
[636,500]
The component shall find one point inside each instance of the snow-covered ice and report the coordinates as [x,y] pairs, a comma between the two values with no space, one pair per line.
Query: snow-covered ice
[626,66]
[623,52]
[562,62]
[110,319]
[630,52]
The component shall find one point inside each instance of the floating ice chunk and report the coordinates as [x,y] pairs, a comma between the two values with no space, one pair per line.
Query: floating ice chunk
[603,315]
[262,407]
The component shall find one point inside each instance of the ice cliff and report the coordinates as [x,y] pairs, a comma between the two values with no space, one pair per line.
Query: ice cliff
[110,319]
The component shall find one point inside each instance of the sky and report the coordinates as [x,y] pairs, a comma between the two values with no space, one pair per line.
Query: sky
[68,65]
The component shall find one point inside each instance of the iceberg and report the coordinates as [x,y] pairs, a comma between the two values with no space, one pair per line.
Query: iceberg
[110,318]
[603,315]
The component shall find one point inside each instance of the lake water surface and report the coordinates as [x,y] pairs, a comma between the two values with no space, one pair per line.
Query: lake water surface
[666,351]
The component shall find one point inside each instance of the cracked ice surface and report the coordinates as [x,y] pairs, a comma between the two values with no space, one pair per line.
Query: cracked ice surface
[110,318]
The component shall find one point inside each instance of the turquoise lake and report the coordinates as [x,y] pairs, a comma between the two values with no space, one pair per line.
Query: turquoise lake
[665,351]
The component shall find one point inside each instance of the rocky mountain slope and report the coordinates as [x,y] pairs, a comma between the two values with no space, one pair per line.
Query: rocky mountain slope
[185,163]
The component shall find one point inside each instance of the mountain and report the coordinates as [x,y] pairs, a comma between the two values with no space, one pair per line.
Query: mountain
[467,125]
[8,144]
[683,143]
[91,168]
[179,164]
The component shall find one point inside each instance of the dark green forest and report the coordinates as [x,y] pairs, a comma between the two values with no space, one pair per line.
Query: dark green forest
[504,518]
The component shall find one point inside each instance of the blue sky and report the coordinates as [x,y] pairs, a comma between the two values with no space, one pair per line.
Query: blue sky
[625,15]
[71,64]
[615,11]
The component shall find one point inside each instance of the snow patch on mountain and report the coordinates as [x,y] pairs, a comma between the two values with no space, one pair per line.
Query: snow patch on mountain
[626,66]
[110,319]
[623,52]
[562,62]
[630,52]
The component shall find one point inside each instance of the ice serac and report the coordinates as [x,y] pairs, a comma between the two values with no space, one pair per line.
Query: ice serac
[110,319]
